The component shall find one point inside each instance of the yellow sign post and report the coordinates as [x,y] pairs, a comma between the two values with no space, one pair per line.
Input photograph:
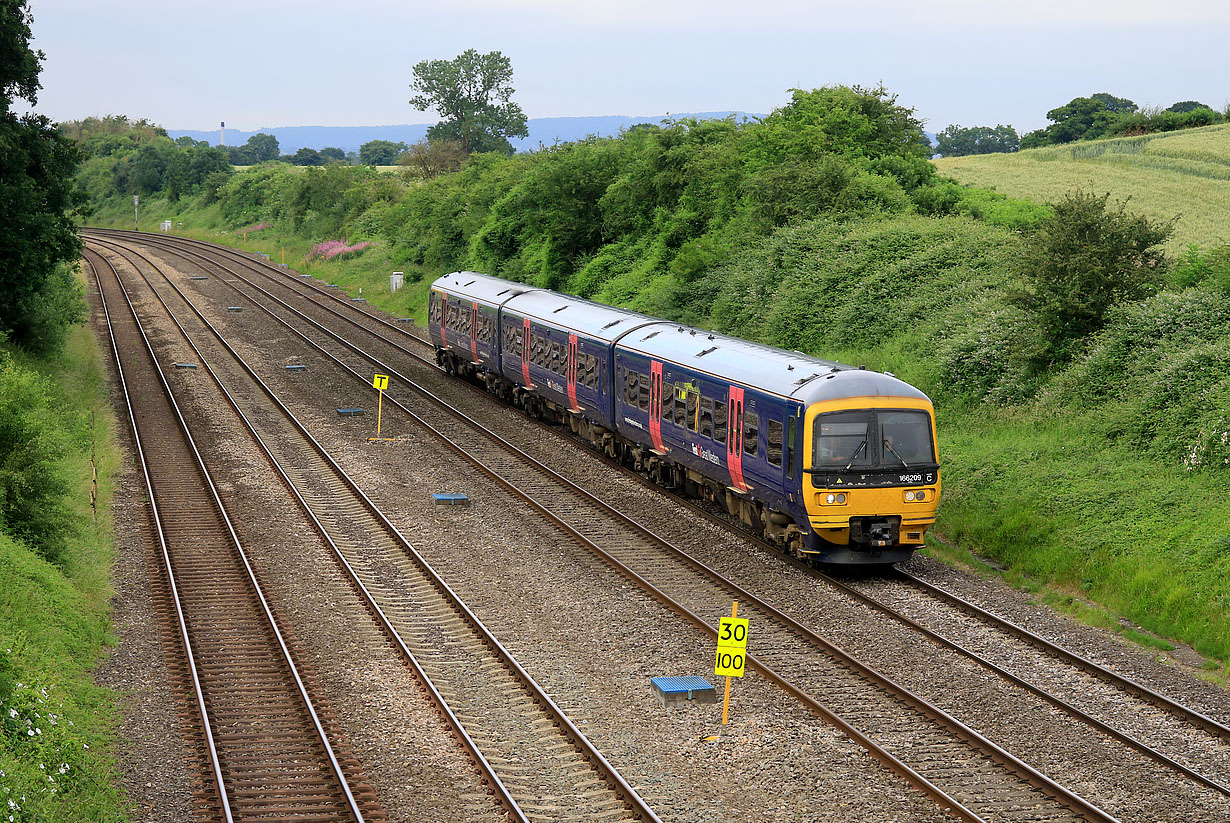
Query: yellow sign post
[380,382]
[731,651]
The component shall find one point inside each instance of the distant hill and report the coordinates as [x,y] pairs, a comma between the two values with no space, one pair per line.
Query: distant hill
[543,131]
[1180,173]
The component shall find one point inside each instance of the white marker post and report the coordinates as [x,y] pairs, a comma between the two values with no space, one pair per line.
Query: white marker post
[731,651]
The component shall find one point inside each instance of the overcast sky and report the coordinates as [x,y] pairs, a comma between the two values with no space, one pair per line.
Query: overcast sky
[264,63]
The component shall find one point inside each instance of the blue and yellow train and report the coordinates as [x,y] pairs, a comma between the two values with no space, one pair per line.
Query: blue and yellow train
[831,463]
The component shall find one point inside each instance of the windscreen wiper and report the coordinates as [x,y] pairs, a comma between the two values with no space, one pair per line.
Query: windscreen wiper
[889,446]
[854,456]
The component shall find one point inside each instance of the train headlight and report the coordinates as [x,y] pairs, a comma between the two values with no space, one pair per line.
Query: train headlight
[909,497]
[832,498]
[917,495]
[920,496]
[841,498]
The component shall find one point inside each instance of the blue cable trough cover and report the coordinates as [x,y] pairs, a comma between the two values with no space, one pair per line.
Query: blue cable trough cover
[198,277]
[296,367]
[359,299]
[450,499]
[672,691]
[234,308]
[302,275]
[185,365]
[350,410]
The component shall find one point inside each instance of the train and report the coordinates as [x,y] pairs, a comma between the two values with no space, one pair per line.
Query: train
[833,464]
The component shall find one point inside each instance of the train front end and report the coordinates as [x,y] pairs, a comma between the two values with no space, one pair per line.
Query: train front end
[872,484]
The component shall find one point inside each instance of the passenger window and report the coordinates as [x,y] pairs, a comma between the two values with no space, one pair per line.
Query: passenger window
[706,416]
[774,435]
[692,409]
[719,421]
[591,371]
[631,383]
[642,398]
[751,432]
[679,396]
[791,435]
[553,358]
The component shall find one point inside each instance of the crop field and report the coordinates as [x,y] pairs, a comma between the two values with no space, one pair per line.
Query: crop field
[1178,174]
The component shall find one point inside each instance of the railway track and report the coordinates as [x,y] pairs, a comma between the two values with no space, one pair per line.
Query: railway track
[1158,727]
[539,765]
[912,736]
[266,745]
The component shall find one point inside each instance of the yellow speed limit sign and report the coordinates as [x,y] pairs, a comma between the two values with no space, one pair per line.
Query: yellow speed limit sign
[732,647]
[380,381]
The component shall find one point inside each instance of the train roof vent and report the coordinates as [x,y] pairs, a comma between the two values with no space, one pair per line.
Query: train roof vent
[807,379]
[706,351]
[506,291]
[651,334]
[471,283]
[613,323]
[560,309]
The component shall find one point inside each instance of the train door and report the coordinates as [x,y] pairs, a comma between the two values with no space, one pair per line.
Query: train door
[525,352]
[734,438]
[474,331]
[443,320]
[655,405]
[572,373]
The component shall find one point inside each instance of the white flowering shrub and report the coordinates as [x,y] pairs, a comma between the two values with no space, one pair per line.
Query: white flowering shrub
[45,762]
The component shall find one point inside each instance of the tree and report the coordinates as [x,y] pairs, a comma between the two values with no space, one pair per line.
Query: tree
[473,94]
[1082,118]
[381,152]
[260,148]
[1083,260]
[1185,106]
[956,141]
[431,159]
[307,157]
[332,154]
[39,297]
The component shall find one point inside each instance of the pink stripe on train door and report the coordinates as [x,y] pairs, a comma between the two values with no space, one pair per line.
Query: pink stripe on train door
[655,404]
[572,372]
[734,437]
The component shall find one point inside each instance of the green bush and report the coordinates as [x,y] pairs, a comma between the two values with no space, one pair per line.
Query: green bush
[32,482]
[1083,260]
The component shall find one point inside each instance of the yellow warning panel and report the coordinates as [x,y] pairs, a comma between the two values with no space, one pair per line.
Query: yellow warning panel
[732,631]
[731,661]
[380,381]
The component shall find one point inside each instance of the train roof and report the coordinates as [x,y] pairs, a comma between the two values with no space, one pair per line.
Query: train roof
[474,286]
[787,373]
[595,320]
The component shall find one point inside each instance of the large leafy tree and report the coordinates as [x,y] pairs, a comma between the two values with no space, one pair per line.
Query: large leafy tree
[38,295]
[381,152]
[956,141]
[1083,260]
[473,93]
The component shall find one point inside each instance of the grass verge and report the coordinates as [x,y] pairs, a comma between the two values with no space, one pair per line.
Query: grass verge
[56,725]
